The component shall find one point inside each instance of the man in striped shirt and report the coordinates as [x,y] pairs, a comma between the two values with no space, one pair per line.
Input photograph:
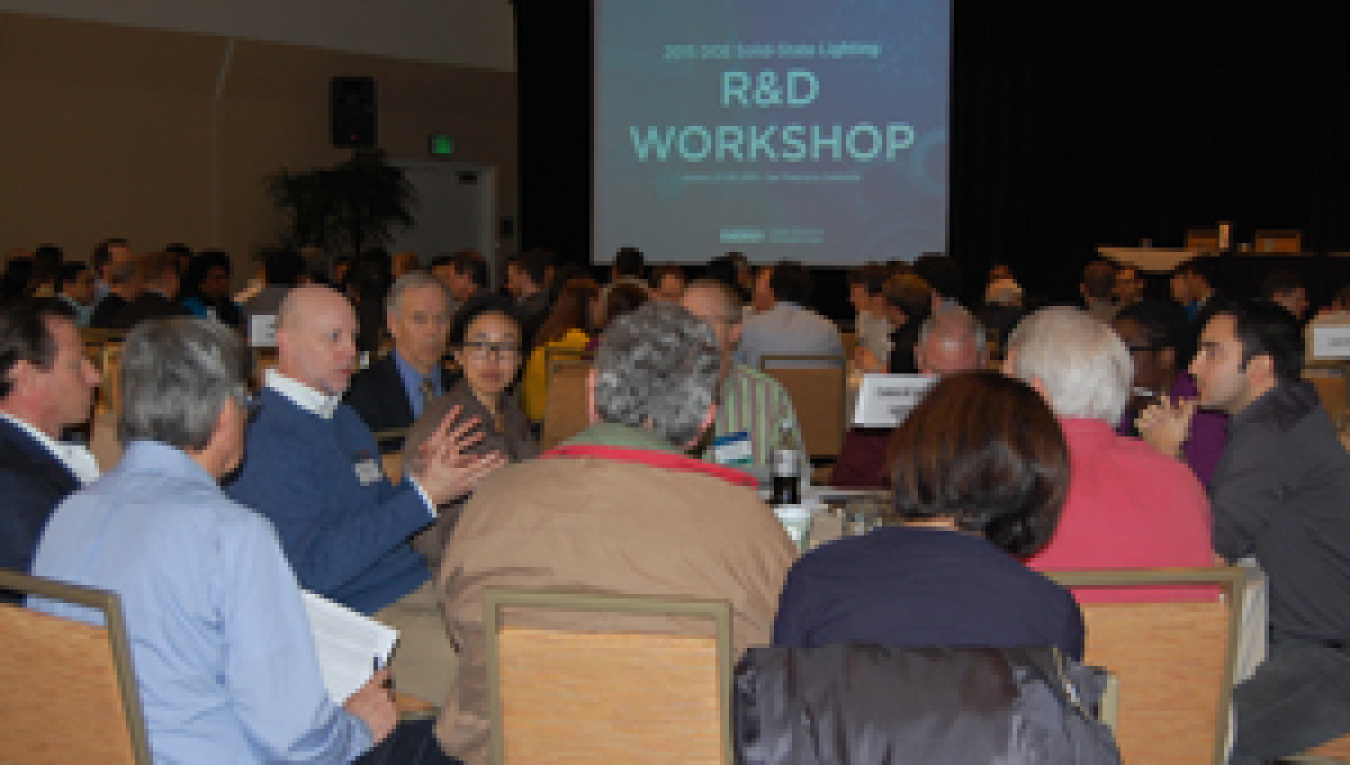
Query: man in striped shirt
[752,407]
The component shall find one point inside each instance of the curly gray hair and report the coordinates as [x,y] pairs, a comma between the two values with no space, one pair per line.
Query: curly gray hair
[657,368]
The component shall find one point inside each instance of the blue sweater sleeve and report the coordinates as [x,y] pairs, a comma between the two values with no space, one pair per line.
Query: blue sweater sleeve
[345,540]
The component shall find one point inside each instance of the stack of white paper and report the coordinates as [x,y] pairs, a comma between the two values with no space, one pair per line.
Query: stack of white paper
[347,643]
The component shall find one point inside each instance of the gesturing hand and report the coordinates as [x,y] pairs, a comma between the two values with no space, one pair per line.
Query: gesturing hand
[1166,425]
[442,468]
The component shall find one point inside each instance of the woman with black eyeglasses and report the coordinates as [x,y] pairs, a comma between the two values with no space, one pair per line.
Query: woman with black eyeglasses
[485,340]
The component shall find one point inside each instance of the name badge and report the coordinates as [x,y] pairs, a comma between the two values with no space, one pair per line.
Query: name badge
[733,449]
[368,472]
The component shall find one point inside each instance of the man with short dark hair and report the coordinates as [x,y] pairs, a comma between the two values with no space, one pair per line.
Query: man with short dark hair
[1128,288]
[109,252]
[46,386]
[465,274]
[619,508]
[1099,280]
[1279,494]
[76,289]
[787,326]
[1287,290]
[528,276]
[123,286]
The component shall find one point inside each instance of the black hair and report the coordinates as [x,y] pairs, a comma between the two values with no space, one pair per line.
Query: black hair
[629,262]
[1267,329]
[483,302]
[790,281]
[24,335]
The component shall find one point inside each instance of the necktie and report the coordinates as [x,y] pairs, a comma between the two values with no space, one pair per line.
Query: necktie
[428,391]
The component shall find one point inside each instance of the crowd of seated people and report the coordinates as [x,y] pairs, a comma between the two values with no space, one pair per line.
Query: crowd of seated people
[1131,429]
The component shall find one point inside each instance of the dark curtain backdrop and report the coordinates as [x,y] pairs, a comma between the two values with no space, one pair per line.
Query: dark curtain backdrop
[1072,125]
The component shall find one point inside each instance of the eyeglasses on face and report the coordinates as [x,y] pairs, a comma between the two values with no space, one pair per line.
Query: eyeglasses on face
[477,349]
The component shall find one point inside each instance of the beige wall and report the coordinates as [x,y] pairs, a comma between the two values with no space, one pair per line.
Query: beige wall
[114,131]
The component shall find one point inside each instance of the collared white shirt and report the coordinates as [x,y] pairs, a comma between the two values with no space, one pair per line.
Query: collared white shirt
[302,395]
[76,458]
[324,406]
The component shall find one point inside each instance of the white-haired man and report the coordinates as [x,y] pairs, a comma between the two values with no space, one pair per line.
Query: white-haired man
[1128,505]
[619,508]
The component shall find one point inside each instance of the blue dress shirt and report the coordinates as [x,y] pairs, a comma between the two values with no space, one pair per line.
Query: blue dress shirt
[224,657]
[412,383]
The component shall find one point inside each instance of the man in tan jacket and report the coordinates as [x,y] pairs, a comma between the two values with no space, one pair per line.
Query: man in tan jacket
[619,508]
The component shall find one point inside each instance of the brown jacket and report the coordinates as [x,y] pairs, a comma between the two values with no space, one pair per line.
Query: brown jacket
[600,524]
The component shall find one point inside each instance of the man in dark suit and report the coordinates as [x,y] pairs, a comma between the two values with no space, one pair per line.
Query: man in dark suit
[160,280]
[46,385]
[392,391]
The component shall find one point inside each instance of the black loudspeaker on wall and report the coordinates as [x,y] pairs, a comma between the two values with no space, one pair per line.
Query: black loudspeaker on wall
[352,112]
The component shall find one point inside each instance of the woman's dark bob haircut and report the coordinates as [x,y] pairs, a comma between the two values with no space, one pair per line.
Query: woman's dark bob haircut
[482,303]
[986,451]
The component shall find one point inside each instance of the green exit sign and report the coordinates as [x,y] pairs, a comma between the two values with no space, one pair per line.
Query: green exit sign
[442,145]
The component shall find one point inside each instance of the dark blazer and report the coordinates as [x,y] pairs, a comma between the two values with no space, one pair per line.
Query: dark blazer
[32,483]
[106,310]
[378,396]
[147,305]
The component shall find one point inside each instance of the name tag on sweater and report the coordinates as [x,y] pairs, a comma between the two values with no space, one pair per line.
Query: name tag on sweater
[368,472]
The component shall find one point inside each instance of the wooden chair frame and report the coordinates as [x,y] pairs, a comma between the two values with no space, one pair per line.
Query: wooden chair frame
[110,606]
[1230,580]
[770,361]
[548,438]
[497,598]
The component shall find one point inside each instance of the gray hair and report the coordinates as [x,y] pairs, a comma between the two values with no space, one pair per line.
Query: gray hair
[176,375]
[657,368]
[409,281]
[954,315]
[1084,366]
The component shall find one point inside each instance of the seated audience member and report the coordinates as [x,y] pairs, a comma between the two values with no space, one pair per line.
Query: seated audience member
[782,323]
[1097,289]
[1287,290]
[950,341]
[281,272]
[1154,332]
[123,286]
[47,261]
[368,282]
[1004,306]
[393,391]
[941,273]
[908,302]
[46,386]
[567,328]
[529,276]
[668,283]
[1129,286]
[1279,495]
[206,289]
[980,471]
[617,509]
[485,340]
[627,268]
[107,253]
[727,270]
[871,327]
[752,406]
[75,288]
[622,299]
[313,469]
[465,274]
[224,657]
[158,299]
[17,282]
[1192,287]
[1128,506]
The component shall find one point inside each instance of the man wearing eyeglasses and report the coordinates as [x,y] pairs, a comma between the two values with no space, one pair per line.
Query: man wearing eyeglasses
[393,391]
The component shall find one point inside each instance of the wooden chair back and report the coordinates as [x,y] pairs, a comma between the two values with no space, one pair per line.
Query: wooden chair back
[592,696]
[818,387]
[1331,391]
[850,342]
[1277,241]
[71,690]
[1202,239]
[1173,661]
[566,412]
